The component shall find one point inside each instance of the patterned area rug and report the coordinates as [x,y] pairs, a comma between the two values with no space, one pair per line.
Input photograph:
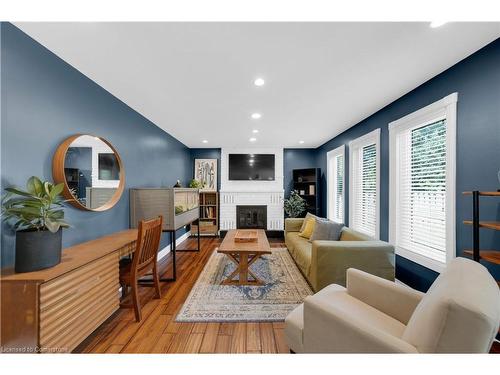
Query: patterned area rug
[211,302]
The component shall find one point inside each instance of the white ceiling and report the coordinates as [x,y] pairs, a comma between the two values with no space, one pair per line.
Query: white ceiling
[195,80]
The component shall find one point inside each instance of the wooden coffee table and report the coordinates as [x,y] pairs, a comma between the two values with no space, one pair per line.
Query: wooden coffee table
[244,254]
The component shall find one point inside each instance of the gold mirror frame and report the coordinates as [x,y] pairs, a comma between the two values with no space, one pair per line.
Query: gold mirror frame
[59,175]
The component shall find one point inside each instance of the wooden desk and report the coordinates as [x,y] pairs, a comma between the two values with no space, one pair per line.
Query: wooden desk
[55,309]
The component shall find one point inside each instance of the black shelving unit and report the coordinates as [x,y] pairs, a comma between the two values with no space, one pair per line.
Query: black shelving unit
[307,183]
[492,255]
[73,179]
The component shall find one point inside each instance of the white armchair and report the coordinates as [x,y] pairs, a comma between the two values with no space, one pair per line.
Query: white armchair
[459,314]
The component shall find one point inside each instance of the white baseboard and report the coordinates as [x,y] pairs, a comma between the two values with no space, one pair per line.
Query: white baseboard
[166,249]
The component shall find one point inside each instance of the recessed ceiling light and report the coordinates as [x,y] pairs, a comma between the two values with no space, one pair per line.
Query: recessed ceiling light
[259,82]
[301,142]
[256,116]
[252,139]
[205,141]
[255,131]
[435,24]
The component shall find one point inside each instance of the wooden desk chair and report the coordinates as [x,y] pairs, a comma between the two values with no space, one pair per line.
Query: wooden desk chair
[143,262]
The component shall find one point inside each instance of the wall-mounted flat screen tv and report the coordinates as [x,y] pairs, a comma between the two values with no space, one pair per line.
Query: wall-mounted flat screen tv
[253,167]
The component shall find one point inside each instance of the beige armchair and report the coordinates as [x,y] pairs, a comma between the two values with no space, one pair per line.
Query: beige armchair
[459,314]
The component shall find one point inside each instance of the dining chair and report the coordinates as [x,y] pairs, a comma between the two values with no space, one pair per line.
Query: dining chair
[144,261]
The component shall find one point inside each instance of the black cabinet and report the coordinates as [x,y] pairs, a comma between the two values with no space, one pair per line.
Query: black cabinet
[306,182]
[73,180]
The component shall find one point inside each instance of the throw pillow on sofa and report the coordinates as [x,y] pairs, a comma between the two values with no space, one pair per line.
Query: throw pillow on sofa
[310,223]
[308,216]
[326,230]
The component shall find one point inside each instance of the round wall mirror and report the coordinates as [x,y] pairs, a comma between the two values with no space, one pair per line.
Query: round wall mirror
[91,170]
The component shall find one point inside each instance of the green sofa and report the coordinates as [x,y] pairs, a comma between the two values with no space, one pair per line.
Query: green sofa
[326,262]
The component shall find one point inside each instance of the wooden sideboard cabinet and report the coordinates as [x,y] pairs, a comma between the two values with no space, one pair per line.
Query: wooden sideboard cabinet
[178,206]
[55,309]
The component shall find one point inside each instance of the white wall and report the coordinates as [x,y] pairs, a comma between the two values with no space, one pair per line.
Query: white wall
[252,186]
[269,193]
[98,147]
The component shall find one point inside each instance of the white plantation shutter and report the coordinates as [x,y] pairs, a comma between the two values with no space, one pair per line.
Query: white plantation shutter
[422,177]
[364,179]
[338,213]
[422,194]
[335,160]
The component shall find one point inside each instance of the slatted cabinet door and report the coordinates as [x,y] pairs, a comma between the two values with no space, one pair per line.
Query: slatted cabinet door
[74,304]
[56,308]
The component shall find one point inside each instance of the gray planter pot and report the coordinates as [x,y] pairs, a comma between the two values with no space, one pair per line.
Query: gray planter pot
[36,250]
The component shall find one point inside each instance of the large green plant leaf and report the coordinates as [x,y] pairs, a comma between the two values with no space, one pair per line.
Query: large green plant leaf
[21,223]
[51,225]
[56,190]
[55,214]
[63,224]
[15,202]
[19,192]
[47,187]
[26,211]
[34,186]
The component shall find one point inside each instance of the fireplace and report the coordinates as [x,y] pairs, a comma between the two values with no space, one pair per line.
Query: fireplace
[251,217]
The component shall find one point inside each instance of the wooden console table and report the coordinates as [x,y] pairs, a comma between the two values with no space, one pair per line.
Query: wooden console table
[55,309]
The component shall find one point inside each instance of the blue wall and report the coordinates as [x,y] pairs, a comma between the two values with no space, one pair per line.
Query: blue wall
[293,158]
[43,101]
[477,81]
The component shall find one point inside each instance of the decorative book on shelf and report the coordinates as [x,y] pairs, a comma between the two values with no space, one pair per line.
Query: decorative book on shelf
[491,255]
[209,214]
[306,182]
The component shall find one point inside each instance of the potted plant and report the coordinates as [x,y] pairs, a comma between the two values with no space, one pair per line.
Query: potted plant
[37,215]
[196,184]
[295,205]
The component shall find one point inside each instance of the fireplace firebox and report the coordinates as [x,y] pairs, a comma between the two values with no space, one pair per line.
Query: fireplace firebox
[251,217]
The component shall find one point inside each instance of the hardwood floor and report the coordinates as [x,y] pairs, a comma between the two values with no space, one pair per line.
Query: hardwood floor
[159,333]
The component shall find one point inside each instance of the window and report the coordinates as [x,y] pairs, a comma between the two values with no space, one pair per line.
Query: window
[364,175]
[335,198]
[109,168]
[422,184]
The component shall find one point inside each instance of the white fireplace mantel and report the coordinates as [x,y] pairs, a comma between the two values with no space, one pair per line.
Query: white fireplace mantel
[273,201]
[240,193]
